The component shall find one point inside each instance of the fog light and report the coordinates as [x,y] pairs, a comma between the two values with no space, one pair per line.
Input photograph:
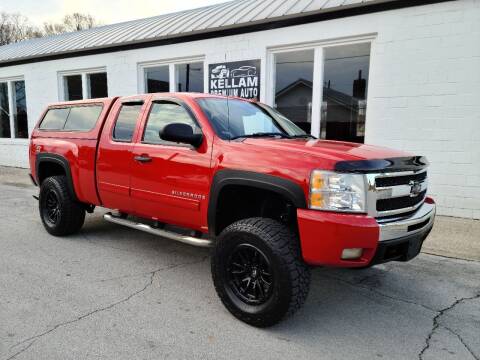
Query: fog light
[351,254]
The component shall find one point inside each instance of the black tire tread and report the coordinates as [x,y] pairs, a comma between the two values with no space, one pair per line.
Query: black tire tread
[285,245]
[73,213]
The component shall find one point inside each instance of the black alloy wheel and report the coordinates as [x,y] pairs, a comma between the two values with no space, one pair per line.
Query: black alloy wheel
[60,213]
[258,271]
[250,275]
[52,208]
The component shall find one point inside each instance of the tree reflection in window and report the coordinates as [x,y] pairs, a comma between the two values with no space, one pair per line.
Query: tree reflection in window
[293,86]
[20,119]
[346,71]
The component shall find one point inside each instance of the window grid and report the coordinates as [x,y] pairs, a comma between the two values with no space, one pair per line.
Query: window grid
[85,84]
[171,76]
[317,121]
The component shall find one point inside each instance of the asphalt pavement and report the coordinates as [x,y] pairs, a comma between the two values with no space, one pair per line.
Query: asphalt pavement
[116,293]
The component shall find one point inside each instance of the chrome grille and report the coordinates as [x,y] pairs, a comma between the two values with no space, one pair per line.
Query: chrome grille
[400,180]
[395,193]
[400,202]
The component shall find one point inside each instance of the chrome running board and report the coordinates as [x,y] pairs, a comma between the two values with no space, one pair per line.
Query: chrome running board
[190,240]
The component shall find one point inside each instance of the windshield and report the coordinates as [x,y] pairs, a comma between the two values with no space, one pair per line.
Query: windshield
[234,118]
[284,122]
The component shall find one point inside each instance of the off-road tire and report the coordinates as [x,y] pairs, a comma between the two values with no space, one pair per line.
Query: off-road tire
[291,276]
[71,214]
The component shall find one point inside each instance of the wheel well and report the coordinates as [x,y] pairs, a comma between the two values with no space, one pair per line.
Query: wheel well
[49,168]
[237,202]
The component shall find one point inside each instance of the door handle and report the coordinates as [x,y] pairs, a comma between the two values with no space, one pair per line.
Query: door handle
[143,158]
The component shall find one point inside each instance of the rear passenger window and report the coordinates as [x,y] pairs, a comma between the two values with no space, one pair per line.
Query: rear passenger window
[83,118]
[126,122]
[55,119]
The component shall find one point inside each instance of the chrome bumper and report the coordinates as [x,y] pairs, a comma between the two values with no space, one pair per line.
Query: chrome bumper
[417,222]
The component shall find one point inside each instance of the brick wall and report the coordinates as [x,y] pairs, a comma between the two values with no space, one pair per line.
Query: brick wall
[424,97]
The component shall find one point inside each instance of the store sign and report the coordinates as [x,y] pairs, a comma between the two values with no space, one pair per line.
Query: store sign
[239,78]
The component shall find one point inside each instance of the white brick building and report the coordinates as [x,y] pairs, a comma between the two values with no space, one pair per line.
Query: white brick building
[403,74]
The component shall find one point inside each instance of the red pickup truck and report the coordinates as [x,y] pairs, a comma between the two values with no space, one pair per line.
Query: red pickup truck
[235,175]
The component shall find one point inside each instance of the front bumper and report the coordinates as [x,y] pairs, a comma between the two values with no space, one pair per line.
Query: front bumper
[325,235]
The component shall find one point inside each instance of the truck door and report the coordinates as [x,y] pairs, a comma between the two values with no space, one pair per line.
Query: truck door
[170,182]
[114,156]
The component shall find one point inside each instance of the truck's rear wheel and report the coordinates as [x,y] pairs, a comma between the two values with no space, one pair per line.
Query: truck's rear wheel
[60,213]
[258,271]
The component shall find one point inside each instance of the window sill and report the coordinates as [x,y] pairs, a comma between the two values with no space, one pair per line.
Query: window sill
[9,141]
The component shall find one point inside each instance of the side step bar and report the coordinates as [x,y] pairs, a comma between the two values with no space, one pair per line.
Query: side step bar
[190,240]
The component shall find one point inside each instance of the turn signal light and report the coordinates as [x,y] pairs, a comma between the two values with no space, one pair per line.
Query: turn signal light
[318,181]
[317,200]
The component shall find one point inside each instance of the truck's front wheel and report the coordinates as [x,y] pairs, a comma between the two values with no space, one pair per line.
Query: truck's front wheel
[60,213]
[258,271]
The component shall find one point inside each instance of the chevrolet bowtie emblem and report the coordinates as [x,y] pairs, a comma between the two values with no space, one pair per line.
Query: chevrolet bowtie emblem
[415,188]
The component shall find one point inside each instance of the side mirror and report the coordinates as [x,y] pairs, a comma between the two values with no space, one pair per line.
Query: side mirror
[181,133]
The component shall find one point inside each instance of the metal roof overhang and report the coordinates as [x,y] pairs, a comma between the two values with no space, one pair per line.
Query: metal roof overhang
[242,28]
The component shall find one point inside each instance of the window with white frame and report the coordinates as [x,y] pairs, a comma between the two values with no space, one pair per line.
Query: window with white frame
[345,85]
[13,109]
[72,87]
[323,88]
[88,84]
[97,86]
[157,79]
[293,86]
[189,77]
[181,76]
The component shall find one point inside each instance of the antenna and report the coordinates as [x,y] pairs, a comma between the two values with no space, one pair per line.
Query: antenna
[228,117]
[228,109]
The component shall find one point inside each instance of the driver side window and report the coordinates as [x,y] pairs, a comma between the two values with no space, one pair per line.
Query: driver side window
[162,114]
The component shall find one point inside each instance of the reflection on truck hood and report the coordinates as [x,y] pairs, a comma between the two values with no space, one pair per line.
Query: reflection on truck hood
[333,150]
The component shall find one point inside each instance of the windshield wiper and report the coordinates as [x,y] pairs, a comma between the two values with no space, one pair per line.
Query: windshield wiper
[262,134]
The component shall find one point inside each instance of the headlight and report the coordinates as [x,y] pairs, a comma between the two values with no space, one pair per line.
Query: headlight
[337,192]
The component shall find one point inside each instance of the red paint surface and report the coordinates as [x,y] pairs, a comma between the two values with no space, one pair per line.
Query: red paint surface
[108,175]
[173,170]
[79,148]
[324,235]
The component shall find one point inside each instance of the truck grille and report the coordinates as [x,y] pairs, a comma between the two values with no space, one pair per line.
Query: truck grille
[396,194]
[400,202]
[400,180]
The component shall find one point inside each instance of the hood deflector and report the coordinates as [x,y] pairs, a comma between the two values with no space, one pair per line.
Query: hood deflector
[413,163]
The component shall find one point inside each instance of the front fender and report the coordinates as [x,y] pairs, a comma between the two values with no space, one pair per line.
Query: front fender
[286,188]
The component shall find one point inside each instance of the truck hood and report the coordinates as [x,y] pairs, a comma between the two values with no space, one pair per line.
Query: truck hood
[331,150]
